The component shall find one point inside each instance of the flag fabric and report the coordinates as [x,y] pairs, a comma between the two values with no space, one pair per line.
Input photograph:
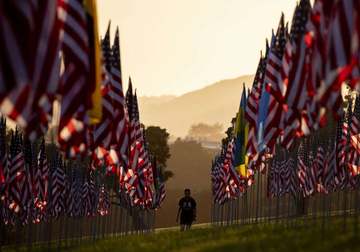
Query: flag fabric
[121,117]
[42,183]
[343,36]
[241,134]
[296,120]
[16,172]
[273,74]
[251,114]
[263,105]
[142,163]
[3,161]
[232,176]
[155,182]
[75,79]
[131,178]
[162,194]
[355,126]
[102,131]
[95,62]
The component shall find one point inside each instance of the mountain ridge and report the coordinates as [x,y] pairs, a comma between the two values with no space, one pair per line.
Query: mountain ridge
[214,103]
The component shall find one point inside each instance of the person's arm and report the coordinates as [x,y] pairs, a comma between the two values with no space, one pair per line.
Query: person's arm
[194,204]
[177,215]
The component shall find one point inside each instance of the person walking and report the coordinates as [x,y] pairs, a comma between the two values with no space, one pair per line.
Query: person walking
[187,206]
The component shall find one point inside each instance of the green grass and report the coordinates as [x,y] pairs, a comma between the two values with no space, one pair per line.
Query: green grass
[242,238]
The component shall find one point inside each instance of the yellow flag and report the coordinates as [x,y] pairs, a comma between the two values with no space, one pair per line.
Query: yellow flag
[95,63]
[241,133]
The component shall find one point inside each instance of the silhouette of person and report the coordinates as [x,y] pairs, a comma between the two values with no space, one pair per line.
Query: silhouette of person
[187,206]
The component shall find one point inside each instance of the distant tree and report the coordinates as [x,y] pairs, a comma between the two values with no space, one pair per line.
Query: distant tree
[228,132]
[206,131]
[157,139]
[190,158]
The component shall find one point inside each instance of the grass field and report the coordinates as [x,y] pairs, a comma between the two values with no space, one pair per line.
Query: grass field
[241,238]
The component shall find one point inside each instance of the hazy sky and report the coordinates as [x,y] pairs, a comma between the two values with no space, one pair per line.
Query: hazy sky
[176,46]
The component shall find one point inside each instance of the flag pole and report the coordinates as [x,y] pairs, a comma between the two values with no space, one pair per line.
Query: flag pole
[277,161]
[356,225]
[356,218]
[116,206]
[260,194]
[257,197]
[346,171]
[253,201]
[127,216]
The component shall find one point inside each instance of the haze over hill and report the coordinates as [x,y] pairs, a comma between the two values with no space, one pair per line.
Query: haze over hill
[218,102]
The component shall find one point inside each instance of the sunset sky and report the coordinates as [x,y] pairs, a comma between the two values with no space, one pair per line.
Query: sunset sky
[173,47]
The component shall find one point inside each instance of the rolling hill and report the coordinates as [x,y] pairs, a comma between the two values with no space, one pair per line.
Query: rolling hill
[218,102]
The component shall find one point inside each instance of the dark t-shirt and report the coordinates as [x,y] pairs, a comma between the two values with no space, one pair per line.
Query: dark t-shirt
[187,208]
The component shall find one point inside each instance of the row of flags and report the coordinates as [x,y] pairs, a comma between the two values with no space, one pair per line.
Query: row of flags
[282,123]
[53,60]
[35,188]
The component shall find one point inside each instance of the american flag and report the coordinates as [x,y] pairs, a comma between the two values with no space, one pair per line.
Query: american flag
[105,44]
[215,177]
[131,178]
[17,172]
[30,45]
[296,96]
[58,187]
[354,148]
[355,126]
[74,80]
[139,193]
[313,171]
[161,186]
[330,164]
[102,131]
[146,170]
[272,81]
[86,196]
[320,160]
[42,183]
[80,76]
[232,176]
[92,192]
[315,40]
[251,113]
[27,187]
[71,189]
[302,169]
[121,117]
[342,52]
[103,206]
[3,160]
[149,182]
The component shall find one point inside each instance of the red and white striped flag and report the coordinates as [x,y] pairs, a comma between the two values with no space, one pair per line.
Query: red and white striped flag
[273,122]
[30,46]
[342,53]
[296,96]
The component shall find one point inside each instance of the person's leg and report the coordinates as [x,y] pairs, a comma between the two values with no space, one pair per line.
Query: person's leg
[182,224]
[188,224]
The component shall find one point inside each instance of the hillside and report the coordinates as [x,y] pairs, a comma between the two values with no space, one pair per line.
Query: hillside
[218,102]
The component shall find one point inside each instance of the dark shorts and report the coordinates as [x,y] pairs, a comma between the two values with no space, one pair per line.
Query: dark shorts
[186,220]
